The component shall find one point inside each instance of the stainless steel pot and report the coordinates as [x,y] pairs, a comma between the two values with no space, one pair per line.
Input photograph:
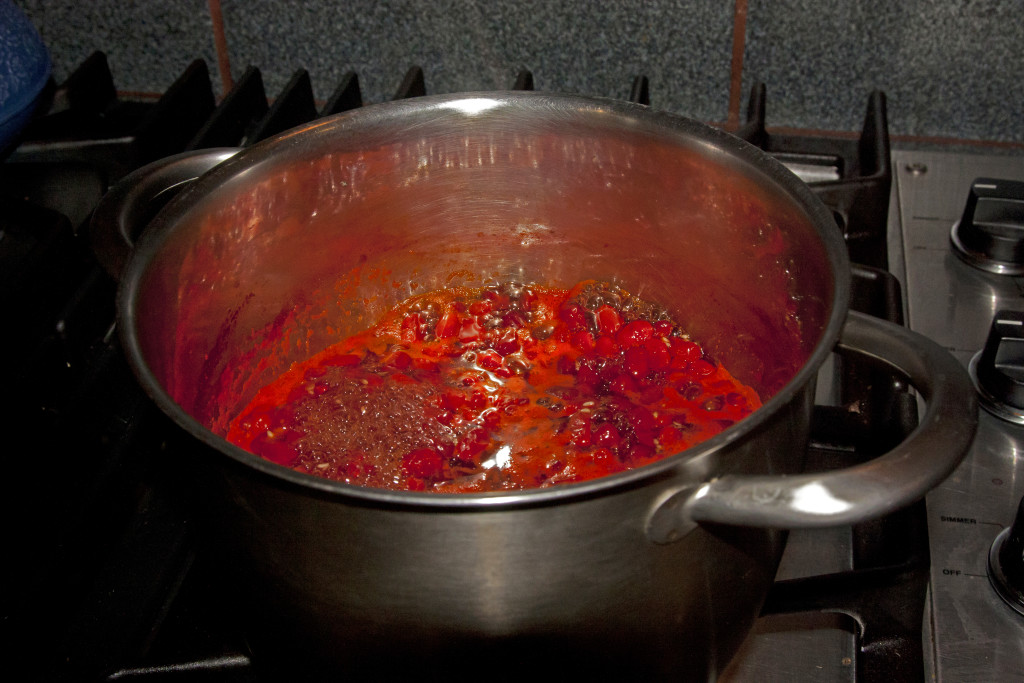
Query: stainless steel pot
[657,572]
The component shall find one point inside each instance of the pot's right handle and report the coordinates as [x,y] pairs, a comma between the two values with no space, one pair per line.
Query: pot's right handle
[133,201]
[842,497]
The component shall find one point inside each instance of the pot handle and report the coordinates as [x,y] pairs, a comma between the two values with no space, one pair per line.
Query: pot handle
[842,497]
[133,201]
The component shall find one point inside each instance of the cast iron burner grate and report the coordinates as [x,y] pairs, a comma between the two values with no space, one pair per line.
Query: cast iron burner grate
[850,176]
[110,578]
[87,121]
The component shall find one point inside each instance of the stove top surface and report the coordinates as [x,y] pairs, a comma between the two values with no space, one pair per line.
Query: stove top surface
[974,634]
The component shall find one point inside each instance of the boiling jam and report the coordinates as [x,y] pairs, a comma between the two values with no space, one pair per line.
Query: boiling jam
[500,388]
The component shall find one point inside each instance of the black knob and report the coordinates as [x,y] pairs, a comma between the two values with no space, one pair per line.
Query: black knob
[990,234]
[998,369]
[1006,562]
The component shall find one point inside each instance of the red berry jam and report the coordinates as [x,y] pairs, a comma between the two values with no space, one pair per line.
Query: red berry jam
[501,388]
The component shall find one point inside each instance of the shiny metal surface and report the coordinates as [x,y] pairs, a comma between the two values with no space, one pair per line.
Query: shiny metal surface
[838,498]
[126,209]
[293,243]
[989,235]
[1008,590]
[289,245]
[981,260]
[975,635]
[334,223]
[988,401]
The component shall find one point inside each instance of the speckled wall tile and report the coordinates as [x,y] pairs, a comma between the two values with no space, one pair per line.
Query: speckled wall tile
[949,69]
[684,48]
[148,43]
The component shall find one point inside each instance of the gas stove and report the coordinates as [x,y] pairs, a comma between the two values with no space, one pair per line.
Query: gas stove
[115,582]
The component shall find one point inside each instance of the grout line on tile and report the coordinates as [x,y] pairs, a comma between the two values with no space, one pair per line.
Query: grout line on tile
[739,40]
[220,43]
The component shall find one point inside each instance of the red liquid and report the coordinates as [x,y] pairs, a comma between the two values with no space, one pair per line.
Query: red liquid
[493,389]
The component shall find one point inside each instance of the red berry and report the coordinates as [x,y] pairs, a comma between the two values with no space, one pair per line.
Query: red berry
[587,377]
[423,463]
[411,331]
[583,340]
[684,352]
[642,420]
[503,371]
[606,436]
[608,320]
[606,346]
[573,315]
[622,384]
[489,360]
[634,333]
[513,319]
[663,328]
[452,400]
[579,430]
[498,299]
[506,342]
[658,356]
[354,468]
[471,445]
[491,418]
[702,368]
[603,462]
[470,330]
[400,360]
[448,325]
[426,365]
[480,307]
[736,400]
[635,362]
[638,453]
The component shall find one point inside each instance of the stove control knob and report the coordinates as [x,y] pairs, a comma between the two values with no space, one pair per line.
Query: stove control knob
[1006,563]
[990,234]
[998,369]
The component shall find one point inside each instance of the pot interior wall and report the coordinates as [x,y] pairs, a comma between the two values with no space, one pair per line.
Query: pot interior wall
[300,241]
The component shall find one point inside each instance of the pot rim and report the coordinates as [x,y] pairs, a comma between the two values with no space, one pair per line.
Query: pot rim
[470,104]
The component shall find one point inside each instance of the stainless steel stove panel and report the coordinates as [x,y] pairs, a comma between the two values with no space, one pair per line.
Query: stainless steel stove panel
[974,635]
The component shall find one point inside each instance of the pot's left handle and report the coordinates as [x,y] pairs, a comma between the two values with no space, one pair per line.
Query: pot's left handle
[130,204]
[842,497]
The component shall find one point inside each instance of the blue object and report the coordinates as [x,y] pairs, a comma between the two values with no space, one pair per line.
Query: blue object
[24,71]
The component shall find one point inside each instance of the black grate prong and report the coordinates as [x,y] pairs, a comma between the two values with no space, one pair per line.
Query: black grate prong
[345,97]
[640,91]
[524,80]
[413,85]
[293,107]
